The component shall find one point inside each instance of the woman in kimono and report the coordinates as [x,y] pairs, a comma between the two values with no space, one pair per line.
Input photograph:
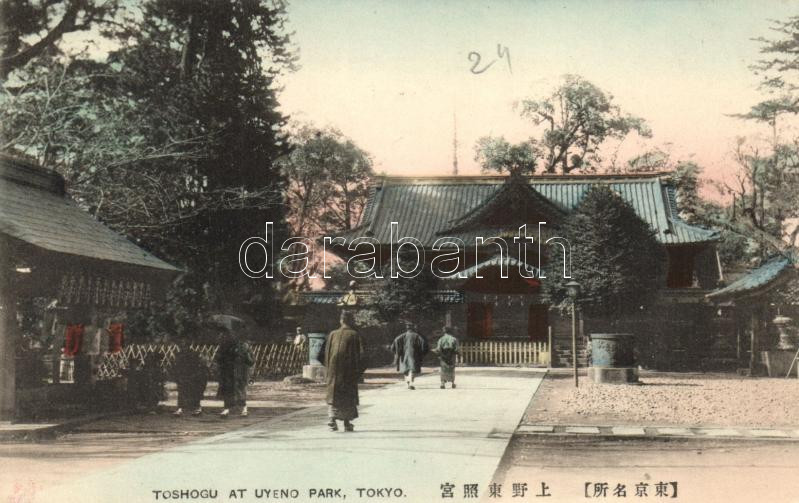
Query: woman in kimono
[234,360]
[447,348]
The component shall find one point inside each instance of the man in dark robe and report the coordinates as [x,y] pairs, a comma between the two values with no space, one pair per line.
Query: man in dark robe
[342,359]
[191,376]
[447,349]
[409,349]
[234,360]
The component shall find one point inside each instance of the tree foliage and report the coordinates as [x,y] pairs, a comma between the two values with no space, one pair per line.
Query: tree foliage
[328,181]
[684,175]
[496,154]
[33,28]
[764,192]
[764,188]
[578,117]
[572,123]
[778,70]
[173,137]
[218,62]
[614,255]
[409,298]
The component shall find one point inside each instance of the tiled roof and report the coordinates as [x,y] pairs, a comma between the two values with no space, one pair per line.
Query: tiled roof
[527,203]
[755,280]
[426,207]
[34,209]
[508,262]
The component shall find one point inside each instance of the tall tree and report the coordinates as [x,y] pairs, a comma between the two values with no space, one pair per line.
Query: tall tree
[578,117]
[327,188]
[328,181]
[779,72]
[574,122]
[218,62]
[614,256]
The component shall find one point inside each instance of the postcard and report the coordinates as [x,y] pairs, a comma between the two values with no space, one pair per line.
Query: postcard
[374,251]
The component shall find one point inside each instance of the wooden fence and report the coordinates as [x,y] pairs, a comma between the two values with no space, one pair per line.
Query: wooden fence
[504,353]
[271,360]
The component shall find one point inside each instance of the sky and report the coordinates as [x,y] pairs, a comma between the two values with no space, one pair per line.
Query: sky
[396,76]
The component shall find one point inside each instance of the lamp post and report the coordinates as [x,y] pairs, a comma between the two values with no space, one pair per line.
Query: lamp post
[573,289]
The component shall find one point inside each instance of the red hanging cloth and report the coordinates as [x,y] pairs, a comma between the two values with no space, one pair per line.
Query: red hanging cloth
[116,335]
[74,338]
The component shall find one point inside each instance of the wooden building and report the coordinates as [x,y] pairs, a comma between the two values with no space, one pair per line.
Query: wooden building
[53,250]
[746,309]
[485,305]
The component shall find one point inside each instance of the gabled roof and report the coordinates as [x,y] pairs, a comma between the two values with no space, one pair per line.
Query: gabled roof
[528,206]
[427,207]
[769,275]
[34,209]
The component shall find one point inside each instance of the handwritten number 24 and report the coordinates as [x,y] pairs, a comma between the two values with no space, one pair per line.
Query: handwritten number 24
[475,58]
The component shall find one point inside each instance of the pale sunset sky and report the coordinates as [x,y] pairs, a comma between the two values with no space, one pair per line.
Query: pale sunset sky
[391,75]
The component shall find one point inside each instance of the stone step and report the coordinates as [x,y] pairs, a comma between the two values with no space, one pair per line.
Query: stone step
[568,361]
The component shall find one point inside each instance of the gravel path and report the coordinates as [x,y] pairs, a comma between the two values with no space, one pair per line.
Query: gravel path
[669,399]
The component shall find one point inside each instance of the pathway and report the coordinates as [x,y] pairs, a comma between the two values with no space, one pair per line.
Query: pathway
[406,444]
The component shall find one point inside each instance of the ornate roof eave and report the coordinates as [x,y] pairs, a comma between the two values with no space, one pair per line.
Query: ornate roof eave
[774,273]
[494,261]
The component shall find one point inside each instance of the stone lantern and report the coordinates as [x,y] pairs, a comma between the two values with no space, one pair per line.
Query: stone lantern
[779,360]
[787,335]
[315,370]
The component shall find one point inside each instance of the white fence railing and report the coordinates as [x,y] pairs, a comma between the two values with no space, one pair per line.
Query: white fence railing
[504,353]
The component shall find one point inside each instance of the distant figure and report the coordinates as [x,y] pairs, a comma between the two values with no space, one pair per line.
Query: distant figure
[447,348]
[234,360]
[342,358]
[300,338]
[409,349]
[191,376]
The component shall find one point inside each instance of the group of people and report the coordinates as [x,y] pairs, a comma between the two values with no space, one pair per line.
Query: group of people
[233,359]
[343,360]
[410,348]
[342,355]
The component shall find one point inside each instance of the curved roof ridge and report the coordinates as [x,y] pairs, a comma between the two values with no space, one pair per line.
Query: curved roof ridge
[489,204]
[499,178]
[494,261]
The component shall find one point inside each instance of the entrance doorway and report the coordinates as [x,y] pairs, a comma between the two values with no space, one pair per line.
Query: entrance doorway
[538,322]
[480,320]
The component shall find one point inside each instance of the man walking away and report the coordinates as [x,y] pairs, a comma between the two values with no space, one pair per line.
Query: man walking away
[191,376]
[342,358]
[409,349]
[447,348]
